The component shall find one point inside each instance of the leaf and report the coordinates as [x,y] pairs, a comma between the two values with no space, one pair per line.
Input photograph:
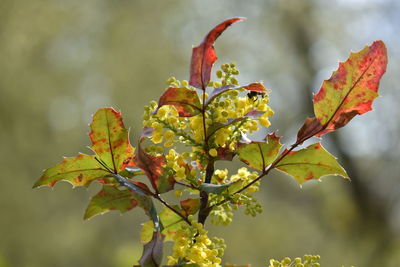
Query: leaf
[310,127]
[259,155]
[155,169]
[186,101]
[204,57]
[217,188]
[110,139]
[78,171]
[146,233]
[253,87]
[171,222]
[309,163]
[111,198]
[152,251]
[190,206]
[111,143]
[351,89]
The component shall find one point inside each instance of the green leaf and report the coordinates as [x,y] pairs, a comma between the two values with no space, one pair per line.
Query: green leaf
[78,171]
[171,222]
[111,198]
[186,101]
[309,163]
[217,188]
[110,139]
[130,172]
[259,155]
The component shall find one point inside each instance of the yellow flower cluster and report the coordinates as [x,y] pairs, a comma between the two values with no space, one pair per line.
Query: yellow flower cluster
[229,107]
[225,119]
[176,162]
[307,261]
[192,245]
[222,214]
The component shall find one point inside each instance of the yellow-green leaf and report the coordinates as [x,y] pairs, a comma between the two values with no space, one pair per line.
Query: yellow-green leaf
[259,155]
[309,163]
[146,233]
[111,198]
[110,139]
[78,171]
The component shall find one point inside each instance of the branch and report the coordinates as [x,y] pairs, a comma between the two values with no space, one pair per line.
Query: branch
[265,171]
[141,191]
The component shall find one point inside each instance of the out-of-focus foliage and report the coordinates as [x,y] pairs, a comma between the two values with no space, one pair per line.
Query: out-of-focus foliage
[61,60]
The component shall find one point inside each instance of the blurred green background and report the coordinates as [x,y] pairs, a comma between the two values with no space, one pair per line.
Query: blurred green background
[61,60]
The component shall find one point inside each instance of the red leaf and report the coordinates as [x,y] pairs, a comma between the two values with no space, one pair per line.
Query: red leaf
[154,168]
[310,127]
[186,101]
[256,87]
[203,56]
[253,87]
[351,89]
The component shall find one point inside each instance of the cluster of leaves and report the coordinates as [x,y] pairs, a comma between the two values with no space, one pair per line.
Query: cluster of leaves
[212,119]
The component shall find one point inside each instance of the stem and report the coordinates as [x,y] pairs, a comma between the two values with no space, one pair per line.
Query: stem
[141,191]
[204,208]
[187,185]
[158,197]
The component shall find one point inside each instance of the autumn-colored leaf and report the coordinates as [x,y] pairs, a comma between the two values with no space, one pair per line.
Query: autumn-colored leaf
[349,92]
[110,139]
[204,57]
[253,87]
[111,198]
[259,155]
[110,142]
[78,171]
[153,251]
[186,101]
[155,169]
[310,127]
[309,163]
[190,206]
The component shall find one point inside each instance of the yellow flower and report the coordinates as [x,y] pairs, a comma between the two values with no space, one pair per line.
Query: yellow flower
[213,152]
